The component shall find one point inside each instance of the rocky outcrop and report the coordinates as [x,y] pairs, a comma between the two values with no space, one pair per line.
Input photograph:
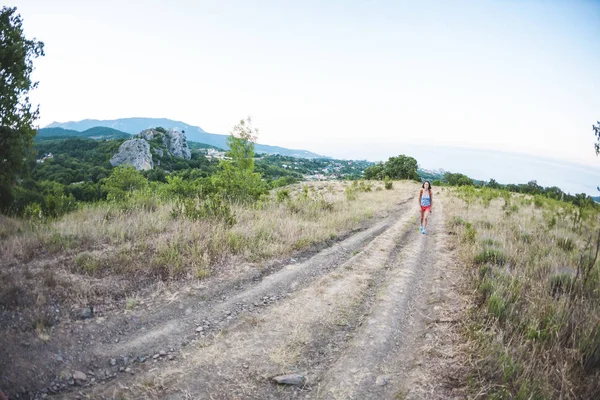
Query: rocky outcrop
[138,151]
[135,152]
[177,144]
[173,141]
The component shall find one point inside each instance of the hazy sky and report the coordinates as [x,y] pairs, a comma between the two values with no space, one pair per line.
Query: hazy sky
[332,76]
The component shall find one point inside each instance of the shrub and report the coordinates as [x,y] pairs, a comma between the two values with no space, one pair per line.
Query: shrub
[565,244]
[87,263]
[469,234]
[123,179]
[491,242]
[389,185]
[351,194]
[283,195]
[457,221]
[490,255]
[212,206]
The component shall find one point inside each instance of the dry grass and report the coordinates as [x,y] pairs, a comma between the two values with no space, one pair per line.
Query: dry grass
[535,327]
[87,249]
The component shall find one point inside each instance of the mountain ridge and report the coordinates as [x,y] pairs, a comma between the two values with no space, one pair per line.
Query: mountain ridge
[135,125]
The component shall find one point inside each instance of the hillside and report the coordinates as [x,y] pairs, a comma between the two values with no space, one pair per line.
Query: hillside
[96,132]
[193,133]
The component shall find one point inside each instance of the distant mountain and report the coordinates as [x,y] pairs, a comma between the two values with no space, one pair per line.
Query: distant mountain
[193,133]
[97,132]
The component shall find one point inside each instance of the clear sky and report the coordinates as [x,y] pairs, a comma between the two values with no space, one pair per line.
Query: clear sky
[332,76]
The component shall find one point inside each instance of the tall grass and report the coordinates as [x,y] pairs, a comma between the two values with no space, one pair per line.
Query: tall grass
[534,266]
[148,238]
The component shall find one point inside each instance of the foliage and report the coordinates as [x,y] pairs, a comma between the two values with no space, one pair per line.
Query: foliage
[535,324]
[388,183]
[457,179]
[211,206]
[236,177]
[400,167]
[596,129]
[16,113]
[121,181]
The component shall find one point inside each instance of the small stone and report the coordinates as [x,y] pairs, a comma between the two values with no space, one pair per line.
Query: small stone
[87,313]
[171,357]
[126,360]
[79,376]
[127,369]
[230,317]
[292,379]
[228,313]
[199,329]
[246,366]
[156,356]
[71,382]
[162,353]
[121,369]
[113,362]
[382,380]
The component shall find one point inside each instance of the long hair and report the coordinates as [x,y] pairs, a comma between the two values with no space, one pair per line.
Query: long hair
[425,183]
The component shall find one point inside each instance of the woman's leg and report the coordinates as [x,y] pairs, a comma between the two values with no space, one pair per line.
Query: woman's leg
[422,218]
[425,218]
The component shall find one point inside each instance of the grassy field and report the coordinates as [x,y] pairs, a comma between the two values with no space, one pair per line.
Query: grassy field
[111,250]
[533,268]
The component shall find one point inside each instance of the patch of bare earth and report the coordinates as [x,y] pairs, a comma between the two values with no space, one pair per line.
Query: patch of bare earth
[378,324]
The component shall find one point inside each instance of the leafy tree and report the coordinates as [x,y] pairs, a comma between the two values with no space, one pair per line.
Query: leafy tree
[596,129]
[121,181]
[374,172]
[401,167]
[493,184]
[457,179]
[16,113]
[236,176]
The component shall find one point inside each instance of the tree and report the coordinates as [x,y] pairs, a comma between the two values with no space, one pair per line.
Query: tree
[123,180]
[16,113]
[374,171]
[596,129]
[401,167]
[236,176]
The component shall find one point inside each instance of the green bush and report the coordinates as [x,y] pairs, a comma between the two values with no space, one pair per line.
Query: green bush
[457,221]
[490,255]
[212,206]
[491,242]
[389,185]
[283,195]
[351,193]
[122,180]
[565,244]
[33,211]
[469,234]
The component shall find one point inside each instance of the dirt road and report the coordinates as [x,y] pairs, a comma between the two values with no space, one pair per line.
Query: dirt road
[352,321]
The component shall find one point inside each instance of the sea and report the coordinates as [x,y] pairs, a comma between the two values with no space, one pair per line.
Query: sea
[486,164]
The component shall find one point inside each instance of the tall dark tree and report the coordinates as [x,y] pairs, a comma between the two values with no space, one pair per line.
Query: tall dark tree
[17,115]
[596,129]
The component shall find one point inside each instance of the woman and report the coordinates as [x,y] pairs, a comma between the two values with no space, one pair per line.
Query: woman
[425,201]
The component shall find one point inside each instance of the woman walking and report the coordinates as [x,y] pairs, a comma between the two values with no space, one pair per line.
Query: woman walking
[425,201]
